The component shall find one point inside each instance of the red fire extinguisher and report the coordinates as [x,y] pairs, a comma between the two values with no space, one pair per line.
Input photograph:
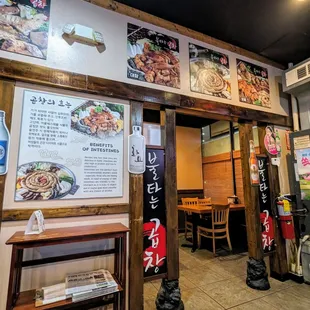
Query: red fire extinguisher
[286,219]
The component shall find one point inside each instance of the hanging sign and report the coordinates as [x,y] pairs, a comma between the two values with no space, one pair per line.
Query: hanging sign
[265,206]
[136,151]
[272,146]
[154,215]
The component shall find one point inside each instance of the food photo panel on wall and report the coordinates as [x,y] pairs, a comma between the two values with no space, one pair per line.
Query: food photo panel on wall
[69,148]
[24,26]
[209,72]
[253,84]
[152,57]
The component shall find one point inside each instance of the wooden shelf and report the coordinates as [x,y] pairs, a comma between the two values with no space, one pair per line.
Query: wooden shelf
[26,301]
[67,235]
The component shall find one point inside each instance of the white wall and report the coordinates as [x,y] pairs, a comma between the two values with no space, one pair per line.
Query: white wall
[54,273]
[112,64]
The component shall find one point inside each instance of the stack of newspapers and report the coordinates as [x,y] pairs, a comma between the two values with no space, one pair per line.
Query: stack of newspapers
[87,285]
[50,294]
[79,287]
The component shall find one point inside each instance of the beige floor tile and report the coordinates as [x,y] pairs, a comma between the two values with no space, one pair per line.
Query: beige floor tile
[285,300]
[229,293]
[201,277]
[195,299]
[225,270]
[185,283]
[156,283]
[256,304]
[149,290]
[275,286]
[149,304]
[302,290]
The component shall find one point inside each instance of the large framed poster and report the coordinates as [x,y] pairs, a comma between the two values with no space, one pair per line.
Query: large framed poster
[154,215]
[209,72]
[70,148]
[253,84]
[152,57]
[24,27]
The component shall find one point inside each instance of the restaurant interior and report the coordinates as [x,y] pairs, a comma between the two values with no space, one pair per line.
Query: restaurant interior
[211,211]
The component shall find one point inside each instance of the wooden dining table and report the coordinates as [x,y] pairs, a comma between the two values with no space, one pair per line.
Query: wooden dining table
[198,210]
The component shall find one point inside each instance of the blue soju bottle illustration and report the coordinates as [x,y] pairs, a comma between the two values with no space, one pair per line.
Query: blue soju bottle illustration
[4,144]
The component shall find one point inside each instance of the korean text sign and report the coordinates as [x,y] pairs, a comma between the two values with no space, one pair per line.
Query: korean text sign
[70,148]
[154,215]
[265,206]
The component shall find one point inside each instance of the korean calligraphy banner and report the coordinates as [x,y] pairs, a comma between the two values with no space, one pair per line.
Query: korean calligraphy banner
[154,215]
[303,165]
[265,205]
[70,148]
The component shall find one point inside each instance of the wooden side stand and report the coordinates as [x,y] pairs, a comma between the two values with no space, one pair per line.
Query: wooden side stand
[25,300]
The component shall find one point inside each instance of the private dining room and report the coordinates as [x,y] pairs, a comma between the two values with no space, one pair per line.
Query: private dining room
[211,210]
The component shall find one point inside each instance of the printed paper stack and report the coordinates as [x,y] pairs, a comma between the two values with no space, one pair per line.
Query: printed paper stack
[89,285]
[50,294]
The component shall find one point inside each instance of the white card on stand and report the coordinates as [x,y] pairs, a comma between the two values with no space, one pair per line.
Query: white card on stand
[35,224]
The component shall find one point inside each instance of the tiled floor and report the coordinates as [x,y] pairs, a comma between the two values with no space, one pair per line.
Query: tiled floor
[219,283]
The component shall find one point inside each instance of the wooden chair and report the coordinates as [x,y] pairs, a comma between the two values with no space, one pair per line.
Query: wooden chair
[219,227]
[204,201]
[188,221]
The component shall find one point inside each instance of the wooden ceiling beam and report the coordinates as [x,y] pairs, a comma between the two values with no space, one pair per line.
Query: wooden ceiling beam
[157,21]
[29,73]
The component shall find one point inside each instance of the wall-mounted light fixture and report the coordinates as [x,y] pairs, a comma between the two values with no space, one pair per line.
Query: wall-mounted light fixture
[83,34]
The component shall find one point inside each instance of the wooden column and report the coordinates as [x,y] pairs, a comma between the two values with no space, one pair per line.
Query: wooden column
[6,105]
[171,196]
[136,277]
[278,260]
[251,199]
[257,277]
[169,295]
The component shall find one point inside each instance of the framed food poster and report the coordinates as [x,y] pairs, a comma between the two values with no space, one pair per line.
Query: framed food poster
[70,148]
[24,26]
[253,84]
[152,57]
[209,72]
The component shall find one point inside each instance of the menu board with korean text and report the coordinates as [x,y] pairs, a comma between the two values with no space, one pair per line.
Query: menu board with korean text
[265,206]
[209,72]
[154,215]
[253,84]
[152,57]
[70,148]
[24,27]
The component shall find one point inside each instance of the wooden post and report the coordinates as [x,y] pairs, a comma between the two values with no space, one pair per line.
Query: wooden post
[6,105]
[278,260]
[256,271]
[171,196]
[136,278]
[169,296]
